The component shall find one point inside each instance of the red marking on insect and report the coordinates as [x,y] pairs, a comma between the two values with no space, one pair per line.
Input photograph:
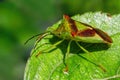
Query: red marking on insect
[66,17]
[101,33]
[73,34]
[86,33]
[72,25]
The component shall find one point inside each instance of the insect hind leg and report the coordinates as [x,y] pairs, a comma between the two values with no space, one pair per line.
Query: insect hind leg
[86,51]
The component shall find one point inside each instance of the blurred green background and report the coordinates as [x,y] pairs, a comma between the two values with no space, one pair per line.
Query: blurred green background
[21,19]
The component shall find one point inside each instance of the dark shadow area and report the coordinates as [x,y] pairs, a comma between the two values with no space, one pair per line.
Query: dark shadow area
[74,49]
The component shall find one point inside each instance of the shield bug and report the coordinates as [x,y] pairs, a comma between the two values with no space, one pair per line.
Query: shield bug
[72,30]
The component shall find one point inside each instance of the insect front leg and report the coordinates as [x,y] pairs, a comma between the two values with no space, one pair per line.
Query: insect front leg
[41,36]
[36,48]
[49,48]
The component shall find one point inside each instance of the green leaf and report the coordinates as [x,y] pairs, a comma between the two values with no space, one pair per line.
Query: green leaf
[49,65]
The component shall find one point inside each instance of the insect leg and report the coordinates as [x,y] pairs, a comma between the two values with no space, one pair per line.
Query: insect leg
[50,48]
[66,56]
[41,35]
[36,48]
[98,65]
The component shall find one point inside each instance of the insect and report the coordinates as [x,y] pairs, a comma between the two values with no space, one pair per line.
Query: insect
[72,30]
